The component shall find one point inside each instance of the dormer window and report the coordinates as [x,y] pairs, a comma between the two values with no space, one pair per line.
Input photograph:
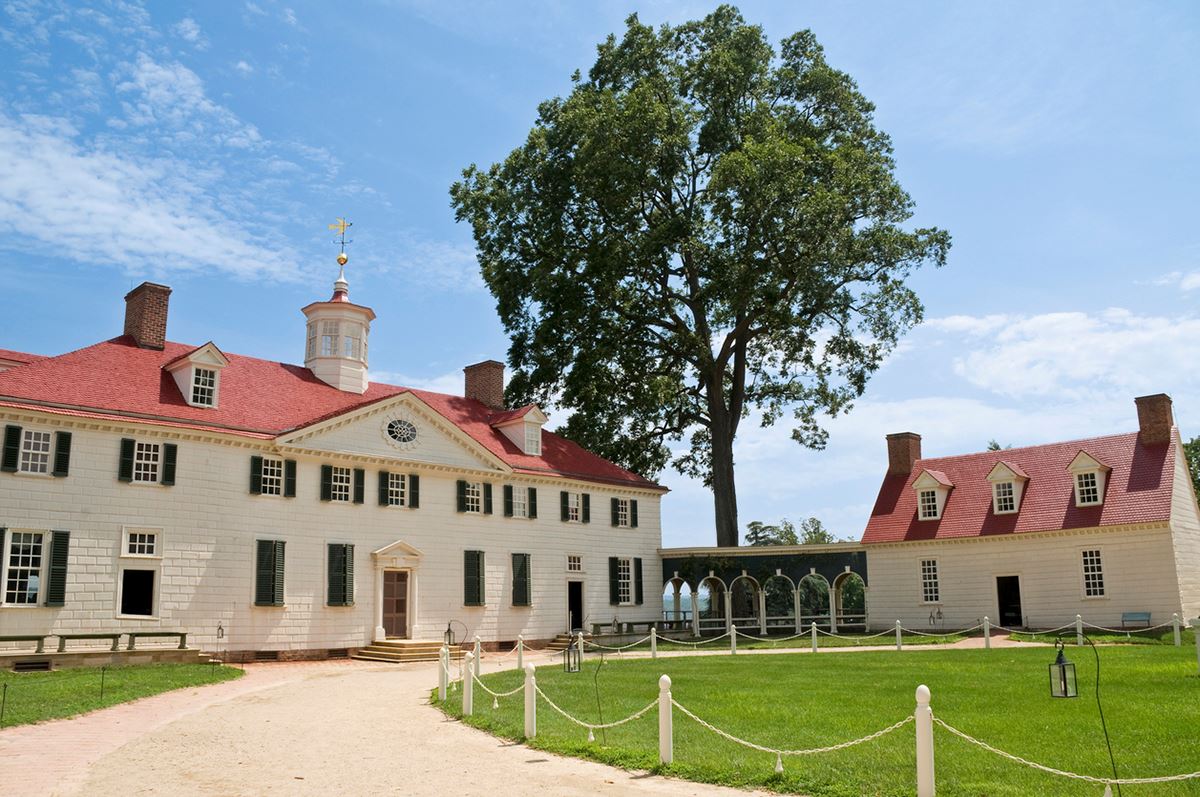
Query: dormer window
[1008,482]
[1003,499]
[1087,489]
[523,427]
[929,505]
[204,387]
[533,440]
[1089,475]
[933,487]
[198,375]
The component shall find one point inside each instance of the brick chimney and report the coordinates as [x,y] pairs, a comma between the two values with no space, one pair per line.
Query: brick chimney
[904,448]
[1154,418]
[146,314]
[485,383]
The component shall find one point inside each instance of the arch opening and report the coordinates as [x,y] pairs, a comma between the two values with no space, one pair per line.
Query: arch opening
[814,600]
[850,600]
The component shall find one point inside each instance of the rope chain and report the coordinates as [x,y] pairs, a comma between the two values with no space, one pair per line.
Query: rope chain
[589,725]
[1063,773]
[811,751]
[482,685]
[587,642]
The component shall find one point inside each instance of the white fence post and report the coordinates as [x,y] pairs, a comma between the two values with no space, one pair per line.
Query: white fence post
[924,723]
[478,656]
[987,633]
[666,740]
[653,643]
[813,632]
[579,639]
[520,651]
[1175,625]
[469,687]
[1196,630]
[444,676]
[1079,630]
[733,640]
[530,702]
[899,644]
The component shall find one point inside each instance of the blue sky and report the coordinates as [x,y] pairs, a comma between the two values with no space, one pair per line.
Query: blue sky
[208,145]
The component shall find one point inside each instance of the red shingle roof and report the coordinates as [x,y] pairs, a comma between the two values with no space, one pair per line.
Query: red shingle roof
[1138,490]
[20,356]
[259,398]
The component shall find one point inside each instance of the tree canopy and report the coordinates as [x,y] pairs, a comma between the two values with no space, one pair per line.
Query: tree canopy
[704,228]
[1191,450]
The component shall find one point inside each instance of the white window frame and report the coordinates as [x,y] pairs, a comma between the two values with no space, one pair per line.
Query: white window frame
[574,507]
[625,581]
[623,513]
[1096,484]
[341,484]
[533,439]
[147,462]
[397,489]
[273,474]
[1002,491]
[30,437]
[923,505]
[351,343]
[520,501]
[931,581]
[1097,573]
[39,572]
[200,377]
[310,349]
[127,540]
[473,498]
[578,560]
[330,338]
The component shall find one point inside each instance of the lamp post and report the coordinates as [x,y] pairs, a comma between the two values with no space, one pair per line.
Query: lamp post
[1063,684]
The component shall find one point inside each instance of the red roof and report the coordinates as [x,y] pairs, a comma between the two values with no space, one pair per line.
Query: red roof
[505,416]
[20,356]
[259,398]
[1138,490]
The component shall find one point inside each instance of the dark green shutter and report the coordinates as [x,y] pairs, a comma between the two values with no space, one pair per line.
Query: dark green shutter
[586,512]
[564,505]
[533,502]
[462,495]
[473,578]
[125,468]
[268,586]
[341,574]
[12,449]
[56,584]
[360,485]
[348,574]
[256,475]
[616,511]
[614,590]
[521,579]
[638,598]
[62,453]
[414,491]
[487,498]
[289,478]
[326,482]
[384,493]
[170,453]
[508,500]
[633,513]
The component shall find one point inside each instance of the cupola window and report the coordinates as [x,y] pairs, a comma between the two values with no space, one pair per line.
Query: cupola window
[329,339]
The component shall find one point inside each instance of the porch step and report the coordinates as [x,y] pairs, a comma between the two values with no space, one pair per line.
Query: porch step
[561,641]
[401,650]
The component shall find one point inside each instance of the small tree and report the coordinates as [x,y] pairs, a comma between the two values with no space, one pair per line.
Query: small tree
[813,532]
[758,533]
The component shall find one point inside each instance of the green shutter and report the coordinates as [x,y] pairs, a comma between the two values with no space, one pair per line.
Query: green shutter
[414,491]
[633,513]
[348,574]
[62,453]
[614,591]
[170,453]
[341,574]
[638,598]
[12,449]
[533,502]
[278,572]
[462,495]
[289,478]
[268,586]
[508,500]
[473,584]
[487,498]
[125,468]
[616,511]
[56,583]
[360,485]
[326,482]
[521,579]
[586,512]
[564,505]
[383,488]
[256,475]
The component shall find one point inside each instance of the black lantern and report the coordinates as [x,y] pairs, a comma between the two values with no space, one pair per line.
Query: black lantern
[1062,676]
[571,658]
[448,637]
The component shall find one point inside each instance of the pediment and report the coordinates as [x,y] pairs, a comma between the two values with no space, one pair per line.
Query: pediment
[932,479]
[1084,462]
[401,428]
[398,548]
[208,356]
[1004,471]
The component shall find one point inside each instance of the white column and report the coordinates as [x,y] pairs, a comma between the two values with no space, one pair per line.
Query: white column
[380,634]
[696,611]
[762,612]
[520,652]
[987,633]
[813,631]
[468,687]
[834,594]
[666,742]
[678,615]
[796,611]
[579,641]
[653,643]
[924,722]
[1175,626]
[899,644]
[530,702]
[733,640]
[478,656]
[1078,629]
[443,668]
[728,610]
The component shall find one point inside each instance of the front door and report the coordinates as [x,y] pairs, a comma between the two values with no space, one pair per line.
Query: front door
[1008,596]
[575,604]
[395,603]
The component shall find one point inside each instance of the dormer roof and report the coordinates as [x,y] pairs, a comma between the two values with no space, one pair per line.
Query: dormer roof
[1085,462]
[928,479]
[1005,471]
[206,355]
[530,413]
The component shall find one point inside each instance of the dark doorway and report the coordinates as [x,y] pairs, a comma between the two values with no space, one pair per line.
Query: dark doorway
[137,592]
[1008,595]
[395,603]
[575,604]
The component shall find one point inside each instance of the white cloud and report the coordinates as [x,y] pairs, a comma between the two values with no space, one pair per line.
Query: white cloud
[189,30]
[244,68]
[289,16]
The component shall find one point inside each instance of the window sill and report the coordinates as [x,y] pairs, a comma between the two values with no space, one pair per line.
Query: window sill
[474,605]
[26,606]
[33,474]
[1094,598]
[153,617]
[145,557]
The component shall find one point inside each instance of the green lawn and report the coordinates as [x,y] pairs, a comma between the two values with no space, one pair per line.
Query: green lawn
[37,696]
[790,641]
[1151,700]
[1159,636]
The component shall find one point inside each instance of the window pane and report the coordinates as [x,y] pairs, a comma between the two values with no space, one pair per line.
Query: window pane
[35,451]
[272,476]
[929,581]
[340,490]
[145,462]
[24,568]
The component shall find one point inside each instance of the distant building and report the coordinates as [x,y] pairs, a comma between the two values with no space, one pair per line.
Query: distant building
[1102,527]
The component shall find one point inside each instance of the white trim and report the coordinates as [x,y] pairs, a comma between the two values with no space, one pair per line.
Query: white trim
[937,581]
[42,569]
[996,593]
[157,531]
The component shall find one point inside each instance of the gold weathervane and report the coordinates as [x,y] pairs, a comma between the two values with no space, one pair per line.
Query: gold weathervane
[340,226]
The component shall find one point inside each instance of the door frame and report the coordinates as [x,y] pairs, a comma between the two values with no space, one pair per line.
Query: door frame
[996,595]
[582,581]
[397,556]
[408,599]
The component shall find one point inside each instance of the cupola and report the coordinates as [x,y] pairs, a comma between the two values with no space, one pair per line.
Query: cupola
[337,330]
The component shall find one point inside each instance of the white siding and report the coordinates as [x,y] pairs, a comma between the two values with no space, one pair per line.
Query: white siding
[1185,531]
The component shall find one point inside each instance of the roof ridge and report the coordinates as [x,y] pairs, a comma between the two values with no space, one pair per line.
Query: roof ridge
[1002,452]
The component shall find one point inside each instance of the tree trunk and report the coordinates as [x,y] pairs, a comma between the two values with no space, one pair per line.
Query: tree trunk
[724,490]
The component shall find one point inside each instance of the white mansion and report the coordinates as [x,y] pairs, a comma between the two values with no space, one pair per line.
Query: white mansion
[147,484]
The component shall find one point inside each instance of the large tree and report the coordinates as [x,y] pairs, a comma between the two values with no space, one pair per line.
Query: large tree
[704,227]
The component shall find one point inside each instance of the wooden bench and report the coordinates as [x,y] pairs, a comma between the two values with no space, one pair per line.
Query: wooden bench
[1135,617]
[62,640]
[39,639]
[135,635]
